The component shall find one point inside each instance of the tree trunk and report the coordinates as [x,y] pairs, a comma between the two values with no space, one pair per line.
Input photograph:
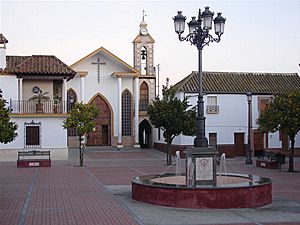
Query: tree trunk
[291,156]
[80,153]
[169,156]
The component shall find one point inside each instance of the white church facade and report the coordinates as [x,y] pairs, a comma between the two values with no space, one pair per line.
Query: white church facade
[121,92]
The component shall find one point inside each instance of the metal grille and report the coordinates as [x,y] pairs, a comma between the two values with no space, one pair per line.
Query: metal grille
[126,113]
[71,99]
[72,132]
[32,135]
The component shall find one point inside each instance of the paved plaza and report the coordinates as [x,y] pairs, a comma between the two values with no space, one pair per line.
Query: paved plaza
[100,193]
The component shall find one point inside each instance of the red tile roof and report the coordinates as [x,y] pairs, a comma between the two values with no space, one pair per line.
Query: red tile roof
[45,65]
[240,83]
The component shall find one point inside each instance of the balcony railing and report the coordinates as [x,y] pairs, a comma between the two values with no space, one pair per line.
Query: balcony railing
[143,105]
[32,107]
[212,109]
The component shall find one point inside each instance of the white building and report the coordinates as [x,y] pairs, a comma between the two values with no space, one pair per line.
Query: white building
[21,77]
[226,110]
[122,93]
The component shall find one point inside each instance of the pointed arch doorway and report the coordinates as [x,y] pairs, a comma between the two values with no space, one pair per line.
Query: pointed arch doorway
[101,135]
[145,134]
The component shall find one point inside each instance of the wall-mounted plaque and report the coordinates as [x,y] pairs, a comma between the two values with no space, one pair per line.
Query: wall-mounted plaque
[204,168]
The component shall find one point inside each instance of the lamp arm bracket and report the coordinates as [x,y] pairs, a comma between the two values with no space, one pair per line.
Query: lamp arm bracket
[200,39]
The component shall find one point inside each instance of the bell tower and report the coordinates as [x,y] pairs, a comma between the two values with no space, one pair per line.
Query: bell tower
[143,51]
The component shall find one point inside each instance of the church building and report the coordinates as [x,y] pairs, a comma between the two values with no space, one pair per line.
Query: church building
[120,91]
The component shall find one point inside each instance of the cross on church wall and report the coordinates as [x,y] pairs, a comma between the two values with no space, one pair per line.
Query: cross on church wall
[98,63]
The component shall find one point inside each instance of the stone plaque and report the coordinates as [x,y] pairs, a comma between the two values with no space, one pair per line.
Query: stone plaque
[34,164]
[204,168]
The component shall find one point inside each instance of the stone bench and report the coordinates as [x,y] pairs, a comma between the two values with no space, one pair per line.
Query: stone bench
[271,160]
[34,159]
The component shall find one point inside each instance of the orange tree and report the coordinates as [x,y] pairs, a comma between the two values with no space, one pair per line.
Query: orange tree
[174,117]
[81,117]
[283,114]
[7,127]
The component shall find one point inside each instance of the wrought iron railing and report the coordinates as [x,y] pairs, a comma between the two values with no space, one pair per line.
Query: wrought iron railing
[212,108]
[33,107]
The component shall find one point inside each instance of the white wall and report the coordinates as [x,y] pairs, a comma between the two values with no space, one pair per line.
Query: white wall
[44,85]
[9,87]
[108,85]
[232,118]
[53,137]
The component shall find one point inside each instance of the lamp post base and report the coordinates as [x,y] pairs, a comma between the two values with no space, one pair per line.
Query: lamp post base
[248,161]
[199,142]
[201,166]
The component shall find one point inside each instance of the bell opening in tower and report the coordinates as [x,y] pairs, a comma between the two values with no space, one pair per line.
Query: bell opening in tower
[144,60]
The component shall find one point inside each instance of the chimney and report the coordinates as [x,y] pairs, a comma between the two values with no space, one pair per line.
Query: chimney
[3,42]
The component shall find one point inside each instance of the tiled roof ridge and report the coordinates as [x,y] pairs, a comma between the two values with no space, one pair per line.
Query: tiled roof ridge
[182,82]
[38,64]
[240,82]
[247,73]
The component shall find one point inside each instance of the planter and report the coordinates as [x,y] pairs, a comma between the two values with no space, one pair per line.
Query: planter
[39,108]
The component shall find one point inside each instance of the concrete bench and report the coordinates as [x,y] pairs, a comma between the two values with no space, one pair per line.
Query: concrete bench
[271,160]
[34,159]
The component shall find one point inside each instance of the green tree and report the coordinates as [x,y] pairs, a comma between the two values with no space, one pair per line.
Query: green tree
[81,117]
[174,117]
[7,127]
[283,114]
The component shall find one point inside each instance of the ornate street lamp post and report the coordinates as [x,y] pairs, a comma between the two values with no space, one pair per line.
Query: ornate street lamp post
[201,156]
[248,152]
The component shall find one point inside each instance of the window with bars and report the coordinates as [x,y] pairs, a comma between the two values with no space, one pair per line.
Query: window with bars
[212,106]
[32,135]
[126,113]
[72,132]
[71,99]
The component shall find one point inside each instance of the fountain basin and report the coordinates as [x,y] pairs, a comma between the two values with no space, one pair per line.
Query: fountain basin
[235,191]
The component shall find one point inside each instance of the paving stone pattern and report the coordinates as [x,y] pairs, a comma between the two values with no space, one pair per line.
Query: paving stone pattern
[100,193]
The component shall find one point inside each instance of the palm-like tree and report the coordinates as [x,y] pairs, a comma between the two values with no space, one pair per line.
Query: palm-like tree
[39,97]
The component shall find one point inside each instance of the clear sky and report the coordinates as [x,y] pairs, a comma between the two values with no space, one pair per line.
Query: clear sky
[260,36]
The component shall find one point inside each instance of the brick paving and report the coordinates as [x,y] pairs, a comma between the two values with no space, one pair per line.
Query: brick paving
[60,195]
[67,194]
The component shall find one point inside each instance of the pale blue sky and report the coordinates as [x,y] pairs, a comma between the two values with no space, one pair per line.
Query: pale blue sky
[260,36]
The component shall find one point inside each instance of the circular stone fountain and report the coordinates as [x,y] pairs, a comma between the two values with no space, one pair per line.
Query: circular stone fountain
[231,191]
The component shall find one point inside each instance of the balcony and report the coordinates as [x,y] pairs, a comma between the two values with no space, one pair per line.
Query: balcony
[212,109]
[32,107]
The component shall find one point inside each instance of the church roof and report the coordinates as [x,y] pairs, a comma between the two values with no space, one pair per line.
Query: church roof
[240,83]
[45,65]
[101,49]
[147,38]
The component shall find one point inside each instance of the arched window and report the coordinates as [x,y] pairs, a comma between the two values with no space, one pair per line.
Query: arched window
[144,96]
[71,99]
[126,113]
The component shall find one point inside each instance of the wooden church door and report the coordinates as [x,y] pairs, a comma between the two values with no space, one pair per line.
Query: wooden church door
[101,135]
